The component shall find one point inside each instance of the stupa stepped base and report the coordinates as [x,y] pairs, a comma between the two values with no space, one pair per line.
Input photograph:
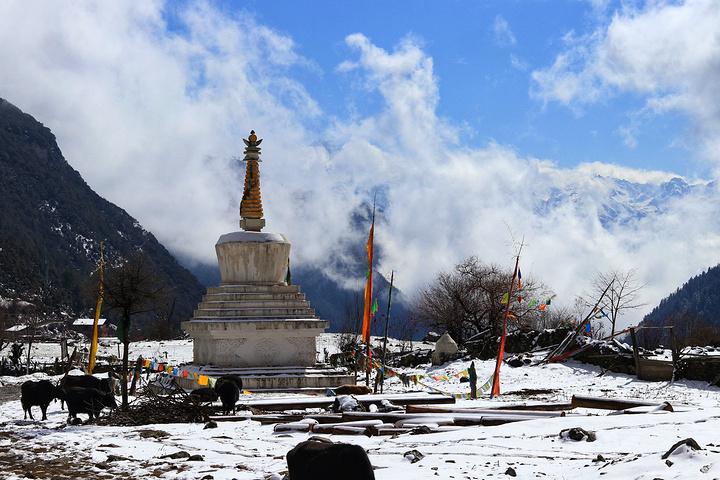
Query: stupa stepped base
[279,379]
[248,326]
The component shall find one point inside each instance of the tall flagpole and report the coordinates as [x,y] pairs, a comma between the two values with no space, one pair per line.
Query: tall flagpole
[387,322]
[98,308]
[501,350]
[367,316]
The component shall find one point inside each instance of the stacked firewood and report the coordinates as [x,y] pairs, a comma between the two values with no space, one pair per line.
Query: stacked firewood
[169,405]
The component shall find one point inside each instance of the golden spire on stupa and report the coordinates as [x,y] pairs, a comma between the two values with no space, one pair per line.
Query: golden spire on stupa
[251,212]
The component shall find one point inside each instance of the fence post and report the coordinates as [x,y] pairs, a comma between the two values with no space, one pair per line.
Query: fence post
[636,355]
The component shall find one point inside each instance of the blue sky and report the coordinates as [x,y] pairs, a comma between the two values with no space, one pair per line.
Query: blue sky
[470,117]
[483,72]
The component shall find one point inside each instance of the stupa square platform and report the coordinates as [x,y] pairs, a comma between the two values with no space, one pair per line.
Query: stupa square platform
[244,326]
[255,324]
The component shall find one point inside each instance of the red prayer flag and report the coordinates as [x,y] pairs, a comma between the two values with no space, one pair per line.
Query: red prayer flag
[367,314]
[501,351]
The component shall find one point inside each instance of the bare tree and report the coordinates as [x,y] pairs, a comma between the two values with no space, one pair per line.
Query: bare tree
[469,300]
[5,323]
[131,289]
[622,295]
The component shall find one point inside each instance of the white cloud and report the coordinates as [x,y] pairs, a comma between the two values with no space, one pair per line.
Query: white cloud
[152,119]
[666,52]
[504,35]
[518,63]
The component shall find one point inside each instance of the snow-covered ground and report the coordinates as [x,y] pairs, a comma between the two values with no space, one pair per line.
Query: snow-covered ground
[174,351]
[631,446]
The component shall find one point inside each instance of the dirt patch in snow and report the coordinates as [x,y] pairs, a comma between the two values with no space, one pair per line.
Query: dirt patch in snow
[9,393]
[32,461]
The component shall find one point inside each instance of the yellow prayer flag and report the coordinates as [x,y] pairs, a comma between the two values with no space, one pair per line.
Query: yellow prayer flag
[203,380]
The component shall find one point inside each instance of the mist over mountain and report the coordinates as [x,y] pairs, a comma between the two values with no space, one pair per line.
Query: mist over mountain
[619,202]
[52,222]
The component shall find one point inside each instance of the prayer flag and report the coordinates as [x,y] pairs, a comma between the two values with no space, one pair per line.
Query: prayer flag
[532,303]
[203,380]
[367,315]
[503,336]
[505,299]
[541,307]
[374,307]
[519,280]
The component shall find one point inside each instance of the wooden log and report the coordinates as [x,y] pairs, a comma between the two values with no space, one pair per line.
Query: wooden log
[607,403]
[343,430]
[487,411]
[328,427]
[388,431]
[326,417]
[235,418]
[269,419]
[664,407]
[292,427]
[461,419]
[538,406]
[415,421]
[300,403]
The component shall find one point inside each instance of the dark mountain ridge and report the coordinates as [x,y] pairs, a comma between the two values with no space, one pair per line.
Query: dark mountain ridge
[52,222]
[691,309]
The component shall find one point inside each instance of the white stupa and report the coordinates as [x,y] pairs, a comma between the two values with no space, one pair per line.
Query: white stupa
[255,324]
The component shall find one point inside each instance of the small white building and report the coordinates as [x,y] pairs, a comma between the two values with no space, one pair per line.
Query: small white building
[85,326]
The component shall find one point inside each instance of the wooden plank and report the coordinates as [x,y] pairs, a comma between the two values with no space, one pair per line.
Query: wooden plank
[664,407]
[606,403]
[550,407]
[280,418]
[388,431]
[300,403]
[486,411]
[636,355]
[461,419]
[655,370]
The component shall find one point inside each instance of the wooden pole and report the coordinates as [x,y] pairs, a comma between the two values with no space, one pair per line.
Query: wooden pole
[368,352]
[636,355]
[387,322]
[564,344]
[675,353]
[496,376]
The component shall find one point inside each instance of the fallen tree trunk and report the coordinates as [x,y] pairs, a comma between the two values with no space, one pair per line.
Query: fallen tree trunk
[606,403]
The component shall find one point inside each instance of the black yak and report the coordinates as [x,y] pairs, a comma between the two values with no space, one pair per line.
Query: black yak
[320,459]
[39,393]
